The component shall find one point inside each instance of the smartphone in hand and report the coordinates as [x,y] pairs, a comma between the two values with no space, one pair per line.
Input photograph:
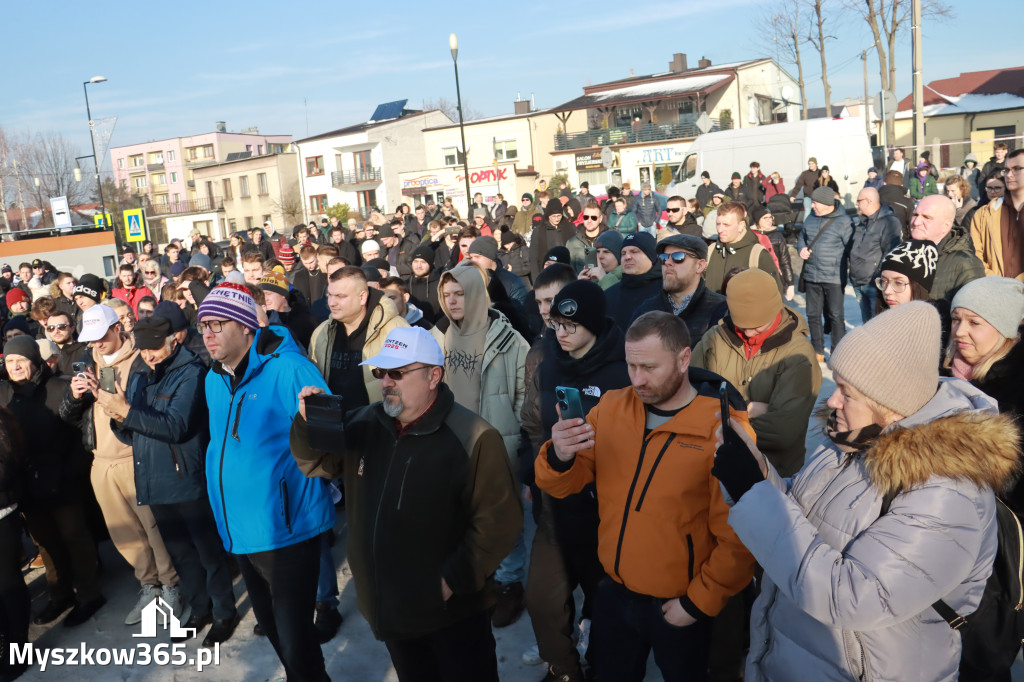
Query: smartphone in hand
[569,403]
[325,419]
[723,395]
[108,382]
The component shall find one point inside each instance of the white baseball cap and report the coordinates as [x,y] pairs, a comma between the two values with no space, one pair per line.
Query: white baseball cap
[406,345]
[96,321]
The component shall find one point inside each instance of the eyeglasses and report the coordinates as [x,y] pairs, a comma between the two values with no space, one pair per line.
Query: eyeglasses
[215,326]
[567,327]
[395,374]
[673,210]
[51,327]
[676,257]
[1014,170]
[899,287]
[594,218]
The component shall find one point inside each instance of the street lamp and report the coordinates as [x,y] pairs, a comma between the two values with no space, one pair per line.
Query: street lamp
[92,140]
[453,45]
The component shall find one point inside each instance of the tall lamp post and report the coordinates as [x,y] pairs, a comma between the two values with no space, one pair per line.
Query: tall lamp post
[453,45]
[92,140]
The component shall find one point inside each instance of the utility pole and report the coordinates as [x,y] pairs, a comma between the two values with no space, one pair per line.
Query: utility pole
[867,110]
[918,83]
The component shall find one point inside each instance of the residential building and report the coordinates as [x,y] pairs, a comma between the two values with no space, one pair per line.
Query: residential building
[248,191]
[648,122]
[507,154]
[162,170]
[359,164]
[966,114]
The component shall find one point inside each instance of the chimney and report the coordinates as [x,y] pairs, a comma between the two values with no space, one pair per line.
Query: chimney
[221,126]
[678,63]
[522,106]
[703,63]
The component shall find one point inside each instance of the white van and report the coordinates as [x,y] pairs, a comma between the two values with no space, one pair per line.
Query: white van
[841,144]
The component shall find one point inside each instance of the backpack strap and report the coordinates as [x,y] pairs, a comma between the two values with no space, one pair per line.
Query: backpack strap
[755,256]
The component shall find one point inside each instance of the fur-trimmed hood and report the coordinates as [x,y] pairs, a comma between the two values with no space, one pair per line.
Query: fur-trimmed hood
[958,434]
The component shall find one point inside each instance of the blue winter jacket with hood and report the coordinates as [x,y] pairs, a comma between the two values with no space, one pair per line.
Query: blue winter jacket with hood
[260,499]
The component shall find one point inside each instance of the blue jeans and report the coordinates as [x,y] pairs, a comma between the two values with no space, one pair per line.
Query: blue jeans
[867,294]
[807,207]
[327,585]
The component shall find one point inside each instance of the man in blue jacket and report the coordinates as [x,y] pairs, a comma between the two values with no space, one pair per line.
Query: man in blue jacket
[822,243]
[268,513]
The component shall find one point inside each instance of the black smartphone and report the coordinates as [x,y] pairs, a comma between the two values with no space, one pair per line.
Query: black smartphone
[108,382]
[569,402]
[325,421]
[723,395]
[590,259]
[79,367]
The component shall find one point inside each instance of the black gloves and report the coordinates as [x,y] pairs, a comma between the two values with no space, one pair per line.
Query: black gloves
[735,465]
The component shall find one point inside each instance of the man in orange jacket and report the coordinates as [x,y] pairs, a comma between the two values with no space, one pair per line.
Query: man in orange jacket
[664,540]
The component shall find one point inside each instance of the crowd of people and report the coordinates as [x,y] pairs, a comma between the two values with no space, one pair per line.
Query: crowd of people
[640,386]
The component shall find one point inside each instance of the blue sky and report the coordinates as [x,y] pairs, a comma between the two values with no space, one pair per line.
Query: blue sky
[175,68]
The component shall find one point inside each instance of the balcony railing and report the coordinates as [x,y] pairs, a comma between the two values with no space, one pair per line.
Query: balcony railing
[151,167]
[647,132]
[187,206]
[355,177]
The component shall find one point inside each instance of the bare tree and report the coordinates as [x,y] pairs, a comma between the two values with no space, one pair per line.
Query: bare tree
[887,19]
[6,177]
[49,159]
[823,12]
[451,109]
[786,36]
[290,204]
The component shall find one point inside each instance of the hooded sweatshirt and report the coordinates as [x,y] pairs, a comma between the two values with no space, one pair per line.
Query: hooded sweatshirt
[108,446]
[464,341]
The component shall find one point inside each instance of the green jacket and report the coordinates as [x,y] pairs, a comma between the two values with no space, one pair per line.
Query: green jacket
[610,279]
[784,374]
[724,257]
[522,224]
[438,501]
[623,222]
[929,189]
[957,264]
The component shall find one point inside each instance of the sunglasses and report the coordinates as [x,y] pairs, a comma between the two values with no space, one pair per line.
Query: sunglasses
[594,218]
[394,374]
[51,327]
[673,210]
[676,257]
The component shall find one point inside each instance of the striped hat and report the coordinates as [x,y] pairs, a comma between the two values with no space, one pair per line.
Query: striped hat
[286,255]
[230,301]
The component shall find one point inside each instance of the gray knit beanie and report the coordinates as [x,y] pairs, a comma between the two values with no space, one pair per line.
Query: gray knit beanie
[894,358]
[999,300]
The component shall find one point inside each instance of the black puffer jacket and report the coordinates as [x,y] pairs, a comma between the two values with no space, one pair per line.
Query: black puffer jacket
[12,466]
[56,463]
[423,292]
[702,313]
[781,248]
[632,290]
[572,520]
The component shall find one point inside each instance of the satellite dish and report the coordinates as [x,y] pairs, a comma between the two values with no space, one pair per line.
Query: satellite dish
[787,92]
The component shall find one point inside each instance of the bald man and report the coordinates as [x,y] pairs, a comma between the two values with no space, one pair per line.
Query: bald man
[877,232]
[933,220]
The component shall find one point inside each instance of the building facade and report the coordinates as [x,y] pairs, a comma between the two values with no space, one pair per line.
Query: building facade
[648,122]
[507,155]
[163,170]
[359,165]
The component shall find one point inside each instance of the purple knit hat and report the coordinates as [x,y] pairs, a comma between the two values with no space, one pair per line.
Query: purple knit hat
[231,301]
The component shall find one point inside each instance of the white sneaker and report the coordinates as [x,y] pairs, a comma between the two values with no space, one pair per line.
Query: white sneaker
[584,637]
[173,598]
[532,656]
[147,594]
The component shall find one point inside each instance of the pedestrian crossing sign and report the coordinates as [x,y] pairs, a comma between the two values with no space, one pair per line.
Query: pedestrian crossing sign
[133,225]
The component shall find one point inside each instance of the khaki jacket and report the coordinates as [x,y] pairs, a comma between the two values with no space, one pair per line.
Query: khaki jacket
[784,374]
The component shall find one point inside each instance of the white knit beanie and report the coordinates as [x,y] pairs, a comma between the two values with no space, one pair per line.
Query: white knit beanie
[894,358]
